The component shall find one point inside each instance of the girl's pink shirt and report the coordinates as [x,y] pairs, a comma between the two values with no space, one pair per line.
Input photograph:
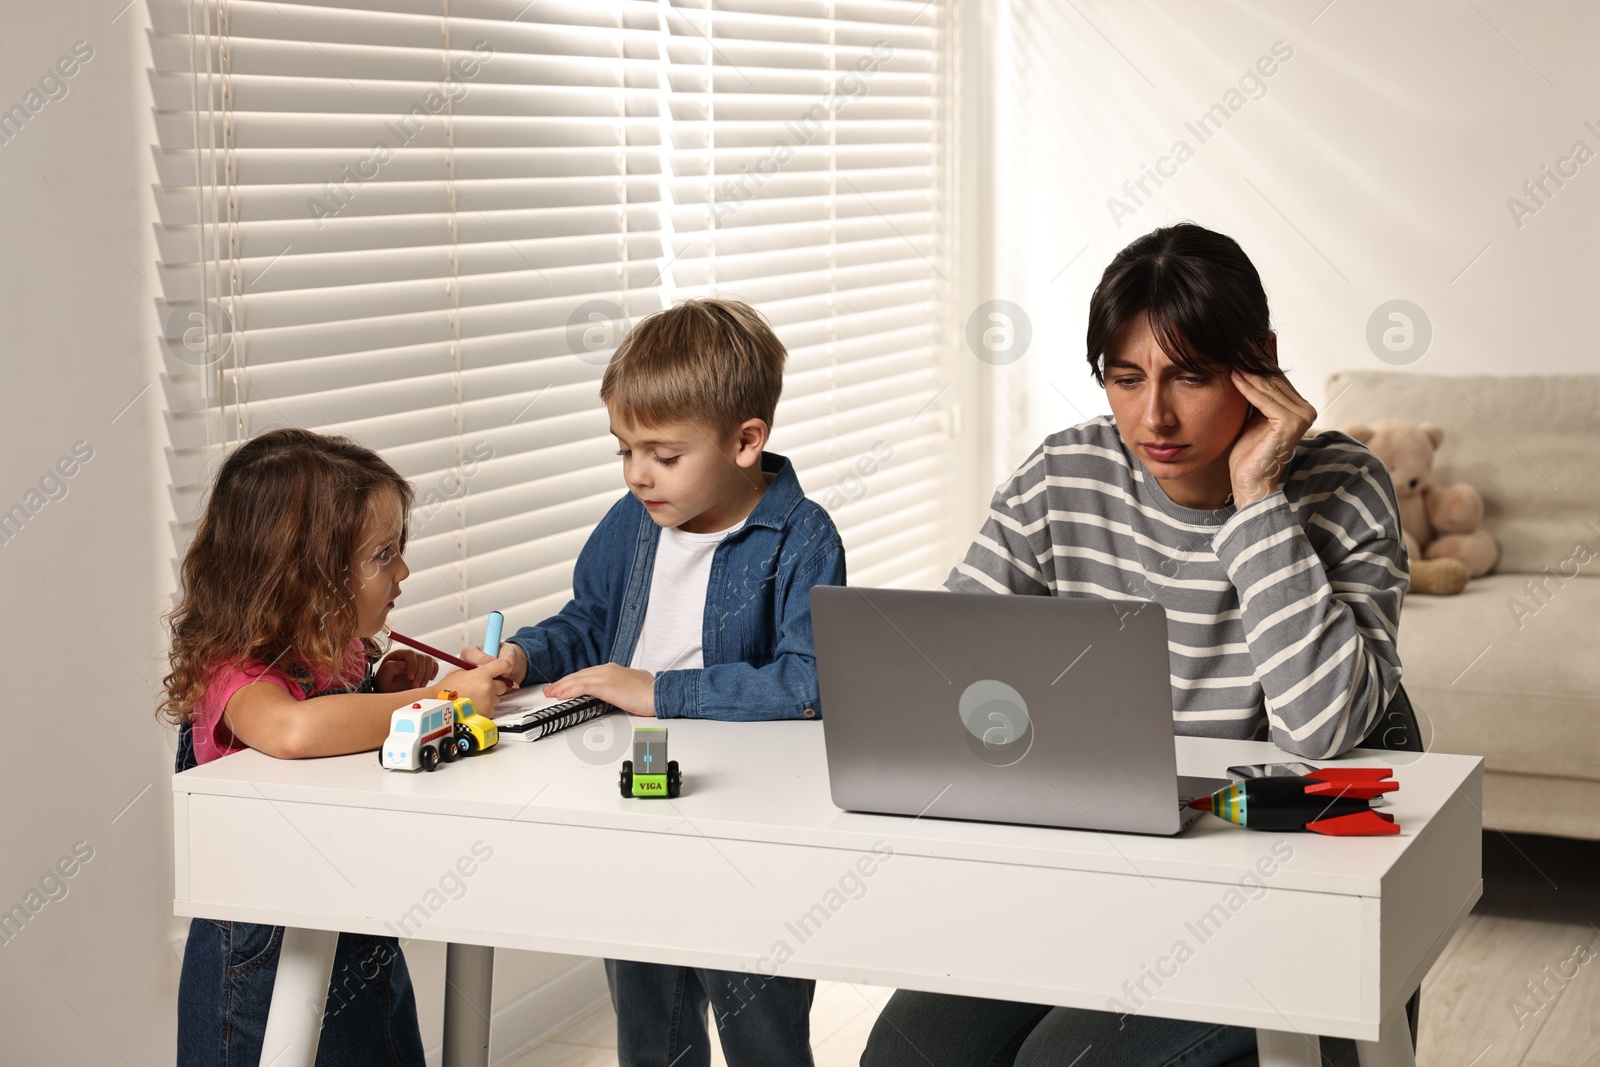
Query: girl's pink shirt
[213,739]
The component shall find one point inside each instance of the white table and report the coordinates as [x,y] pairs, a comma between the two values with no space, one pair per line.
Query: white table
[1334,945]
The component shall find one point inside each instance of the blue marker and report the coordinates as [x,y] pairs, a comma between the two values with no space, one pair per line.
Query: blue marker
[491,634]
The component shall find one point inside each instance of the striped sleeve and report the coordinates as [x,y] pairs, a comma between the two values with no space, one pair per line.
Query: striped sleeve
[1319,599]
[1005,557]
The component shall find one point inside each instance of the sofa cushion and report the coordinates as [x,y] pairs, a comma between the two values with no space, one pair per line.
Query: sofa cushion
[1529,804]
[1527,443]
[1519,686]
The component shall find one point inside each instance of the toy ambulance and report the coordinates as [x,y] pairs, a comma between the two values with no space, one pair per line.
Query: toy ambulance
[656,776]
[420,736]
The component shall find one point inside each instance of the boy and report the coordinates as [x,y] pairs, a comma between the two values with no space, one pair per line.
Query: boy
[691,600]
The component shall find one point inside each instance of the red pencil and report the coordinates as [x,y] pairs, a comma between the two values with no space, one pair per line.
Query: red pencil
[429,650]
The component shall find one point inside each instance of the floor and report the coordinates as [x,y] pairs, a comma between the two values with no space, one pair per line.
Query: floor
[1540,909]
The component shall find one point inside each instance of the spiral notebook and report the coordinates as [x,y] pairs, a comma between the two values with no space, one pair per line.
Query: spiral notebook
[532,715]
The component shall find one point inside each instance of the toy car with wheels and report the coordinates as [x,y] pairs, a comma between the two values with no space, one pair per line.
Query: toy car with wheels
[656,775]
[474,733]
[421,736]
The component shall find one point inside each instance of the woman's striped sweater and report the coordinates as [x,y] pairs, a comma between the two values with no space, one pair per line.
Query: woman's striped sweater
[1281,618]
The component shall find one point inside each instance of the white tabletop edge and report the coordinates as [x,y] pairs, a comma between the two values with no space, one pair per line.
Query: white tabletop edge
[502,787]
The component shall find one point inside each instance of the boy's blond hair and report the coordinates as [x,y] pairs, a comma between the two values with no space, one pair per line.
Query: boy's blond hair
[711,360]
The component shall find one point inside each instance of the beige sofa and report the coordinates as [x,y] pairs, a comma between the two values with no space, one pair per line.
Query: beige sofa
[1519,686]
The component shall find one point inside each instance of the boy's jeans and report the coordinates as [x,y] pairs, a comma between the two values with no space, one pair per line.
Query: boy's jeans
[661,1016]
[228,973]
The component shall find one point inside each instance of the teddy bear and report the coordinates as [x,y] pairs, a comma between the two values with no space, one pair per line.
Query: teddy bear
[1441,524]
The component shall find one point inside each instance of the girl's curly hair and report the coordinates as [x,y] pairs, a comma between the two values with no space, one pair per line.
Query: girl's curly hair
[268,576]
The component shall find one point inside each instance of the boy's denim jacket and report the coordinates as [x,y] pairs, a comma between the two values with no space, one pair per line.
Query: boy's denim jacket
[760,659]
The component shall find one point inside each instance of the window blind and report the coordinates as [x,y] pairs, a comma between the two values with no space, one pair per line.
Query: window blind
[426,223]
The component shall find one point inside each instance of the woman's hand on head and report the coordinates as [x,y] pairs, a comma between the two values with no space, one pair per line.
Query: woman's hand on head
[405,669]
[1267,443]
[482,684]
[510,651]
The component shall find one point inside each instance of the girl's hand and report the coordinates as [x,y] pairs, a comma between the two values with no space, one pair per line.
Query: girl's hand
[510,651]
[1269,437]
[622,687]
[405,669]
[481,685]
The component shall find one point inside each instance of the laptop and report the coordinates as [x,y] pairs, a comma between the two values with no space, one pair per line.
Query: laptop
[1041,710]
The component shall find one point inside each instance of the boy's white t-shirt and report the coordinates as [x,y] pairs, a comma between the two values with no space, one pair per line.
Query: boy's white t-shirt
[673,633]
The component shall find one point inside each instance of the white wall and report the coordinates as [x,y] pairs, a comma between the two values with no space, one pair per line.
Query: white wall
[1377,165]
[92,977]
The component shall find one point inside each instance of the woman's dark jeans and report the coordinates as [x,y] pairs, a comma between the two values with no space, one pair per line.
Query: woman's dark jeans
[936,1030]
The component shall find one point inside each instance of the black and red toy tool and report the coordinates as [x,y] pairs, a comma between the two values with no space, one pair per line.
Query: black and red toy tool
[1336,801]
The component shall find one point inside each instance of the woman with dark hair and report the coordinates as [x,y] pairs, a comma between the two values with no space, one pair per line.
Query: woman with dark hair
[1276,557]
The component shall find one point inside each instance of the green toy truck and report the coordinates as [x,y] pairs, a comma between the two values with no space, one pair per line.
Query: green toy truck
[657,776]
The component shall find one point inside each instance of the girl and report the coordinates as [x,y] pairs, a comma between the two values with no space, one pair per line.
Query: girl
[292,571]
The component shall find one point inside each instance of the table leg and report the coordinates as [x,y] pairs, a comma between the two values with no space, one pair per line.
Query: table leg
[299,993]
[468,1000]
[1285,1048]
[1393,1047]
